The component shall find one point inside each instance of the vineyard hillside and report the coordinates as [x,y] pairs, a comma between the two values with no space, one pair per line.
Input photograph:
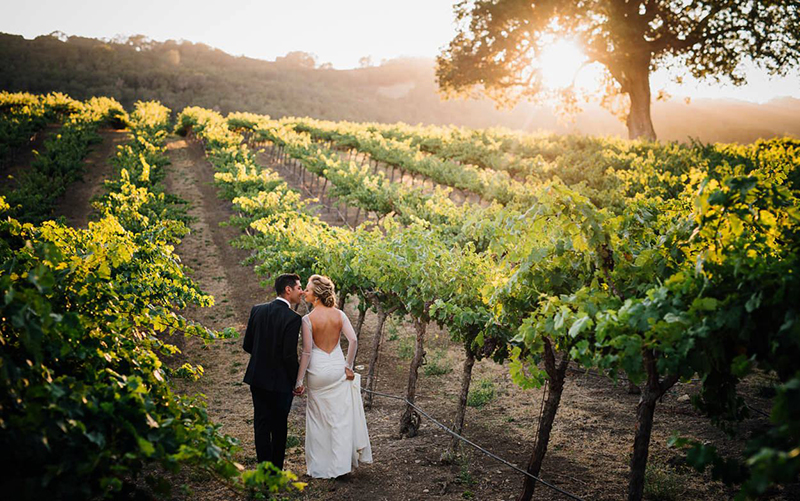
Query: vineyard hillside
[537,316]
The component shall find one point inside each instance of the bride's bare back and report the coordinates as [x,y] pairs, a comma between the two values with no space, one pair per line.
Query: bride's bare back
[321,329]
[326,327]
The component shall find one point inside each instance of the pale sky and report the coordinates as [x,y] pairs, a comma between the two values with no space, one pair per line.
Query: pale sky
[339,32]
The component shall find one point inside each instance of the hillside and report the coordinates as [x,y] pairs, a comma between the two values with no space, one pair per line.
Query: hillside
[180,74]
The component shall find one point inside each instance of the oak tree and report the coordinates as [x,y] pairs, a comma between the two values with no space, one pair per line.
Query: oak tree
[497,41]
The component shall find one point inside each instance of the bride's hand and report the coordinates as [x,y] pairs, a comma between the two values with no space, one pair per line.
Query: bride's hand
[349,373]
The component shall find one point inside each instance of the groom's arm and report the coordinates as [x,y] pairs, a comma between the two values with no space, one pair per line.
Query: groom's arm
[249,335]
[291,334]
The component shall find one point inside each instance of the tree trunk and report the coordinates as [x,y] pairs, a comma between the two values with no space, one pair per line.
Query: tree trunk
[409,423]
[556,375]
[466,378]
[362,314]
[645,410]
[641,443]
[373,360]
[640,125]
[342,301]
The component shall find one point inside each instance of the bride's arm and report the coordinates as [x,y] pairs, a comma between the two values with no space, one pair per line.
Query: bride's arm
[308,342]
[352,341]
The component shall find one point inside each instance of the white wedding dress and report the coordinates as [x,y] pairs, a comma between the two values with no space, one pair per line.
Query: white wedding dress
[336,428]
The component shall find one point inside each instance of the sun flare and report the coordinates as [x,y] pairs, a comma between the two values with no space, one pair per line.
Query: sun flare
[559,63]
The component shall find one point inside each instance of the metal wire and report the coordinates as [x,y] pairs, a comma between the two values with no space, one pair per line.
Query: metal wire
[476,446]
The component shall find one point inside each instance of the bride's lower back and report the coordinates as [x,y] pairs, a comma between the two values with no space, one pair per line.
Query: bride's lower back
[325,369]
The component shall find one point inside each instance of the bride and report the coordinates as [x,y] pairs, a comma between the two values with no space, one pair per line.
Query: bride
[336,429]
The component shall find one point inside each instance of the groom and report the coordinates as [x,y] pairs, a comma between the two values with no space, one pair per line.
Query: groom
[271,341]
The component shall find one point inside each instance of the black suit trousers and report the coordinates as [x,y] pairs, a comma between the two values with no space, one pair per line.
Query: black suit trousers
[271,423]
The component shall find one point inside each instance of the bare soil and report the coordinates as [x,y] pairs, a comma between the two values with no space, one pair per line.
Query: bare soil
[592,436]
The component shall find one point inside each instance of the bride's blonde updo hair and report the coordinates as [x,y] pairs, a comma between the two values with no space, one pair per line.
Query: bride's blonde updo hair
[323,289]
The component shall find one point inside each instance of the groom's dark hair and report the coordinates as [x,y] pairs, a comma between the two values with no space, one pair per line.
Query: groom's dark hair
[284,281]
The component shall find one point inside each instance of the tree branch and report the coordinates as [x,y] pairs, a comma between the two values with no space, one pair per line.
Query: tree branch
[671,41]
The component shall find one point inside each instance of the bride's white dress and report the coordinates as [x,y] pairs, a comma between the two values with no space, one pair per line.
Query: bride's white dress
[336,428]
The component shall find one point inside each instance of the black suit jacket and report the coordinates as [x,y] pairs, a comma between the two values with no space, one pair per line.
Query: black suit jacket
[271,341]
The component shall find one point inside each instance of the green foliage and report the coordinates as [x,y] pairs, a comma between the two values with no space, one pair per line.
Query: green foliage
[22,115]
[464,475]
[492,185]
[85,401]
[37,189]
[668,288]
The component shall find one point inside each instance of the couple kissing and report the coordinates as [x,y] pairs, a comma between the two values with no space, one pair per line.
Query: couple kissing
[336,437]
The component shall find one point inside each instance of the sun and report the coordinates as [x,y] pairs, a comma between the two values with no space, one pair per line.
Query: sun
[559,63]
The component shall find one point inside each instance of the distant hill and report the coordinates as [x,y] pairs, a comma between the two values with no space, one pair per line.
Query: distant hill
[181,74]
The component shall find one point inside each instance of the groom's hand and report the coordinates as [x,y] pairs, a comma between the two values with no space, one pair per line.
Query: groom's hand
[349,373]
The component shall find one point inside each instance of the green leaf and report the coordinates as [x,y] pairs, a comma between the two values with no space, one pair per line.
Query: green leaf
[705,304]
[580,325]
[753,303]
[145,446]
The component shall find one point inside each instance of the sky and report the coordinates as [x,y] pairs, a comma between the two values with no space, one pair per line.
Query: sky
[339,32]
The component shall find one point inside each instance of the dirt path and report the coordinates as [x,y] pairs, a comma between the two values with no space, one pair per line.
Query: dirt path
[75,205]
[592,436]
[216,269]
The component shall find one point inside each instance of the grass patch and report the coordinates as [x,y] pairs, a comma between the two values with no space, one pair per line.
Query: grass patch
[292,441]
[464,475]
[405,349]
[438,365]
[481,393]
[391,329]
[662,483]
